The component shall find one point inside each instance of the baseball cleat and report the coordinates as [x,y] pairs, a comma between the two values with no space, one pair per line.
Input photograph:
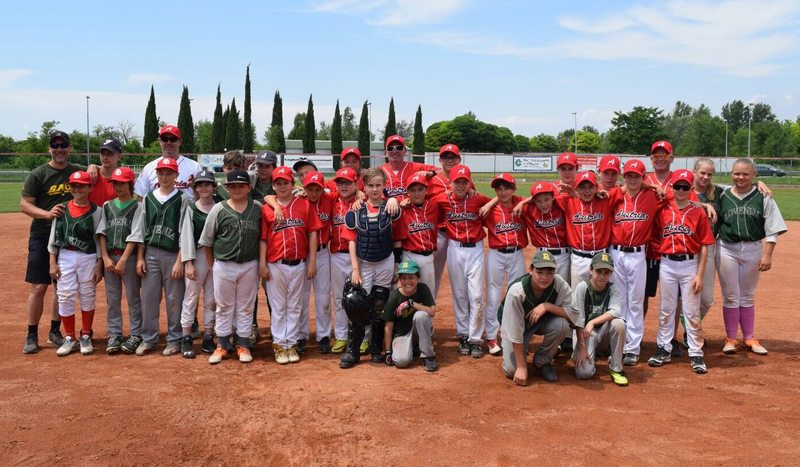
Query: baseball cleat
[208,344]
[339,346]
[430,365]
[55,337]
[244,354]
[730,346]
[698,365]
[114,345]
[67,347]
[281,355]
[630,359]
[86,344]
[325,345]
[618,377]
[31,344]
[131,344]
[293,355]
[144,348]
[463,346]
[364,347]
[218,355]
[476,351]
[494,347]
[754,346]
[677,349]
[548,373]
[187,350]
[661,357]
[301,346]
[172,348]
[348,360]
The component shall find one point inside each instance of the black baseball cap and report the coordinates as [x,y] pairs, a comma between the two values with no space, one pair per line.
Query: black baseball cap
[303,161]
[112,144]
[59,134]
[267,157]
[237,176]
[205,175]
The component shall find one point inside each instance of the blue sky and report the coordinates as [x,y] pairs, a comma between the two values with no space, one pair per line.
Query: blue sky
[522,64]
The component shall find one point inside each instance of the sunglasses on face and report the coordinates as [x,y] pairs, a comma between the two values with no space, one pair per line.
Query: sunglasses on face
[661,156]
[63,145]
[169,139]
[395,147]
[681,187]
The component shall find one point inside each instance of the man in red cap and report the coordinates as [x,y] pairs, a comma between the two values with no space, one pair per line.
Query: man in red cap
[609,171]
[170,140]
[350,158]
[398,171]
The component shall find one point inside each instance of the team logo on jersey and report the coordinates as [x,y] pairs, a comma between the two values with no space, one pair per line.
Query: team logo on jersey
[394,192]
[323,216]
[416,227]
[743,211]
[337,220]
[461,216]
[581,218]
[676,229]
[505,227]
[287,224]
[547,223]
[625,216]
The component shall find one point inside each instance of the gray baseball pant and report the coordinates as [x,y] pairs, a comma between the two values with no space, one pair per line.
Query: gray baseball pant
[553,328]
[421,333]
[609,335]
[133,284]
[157,278]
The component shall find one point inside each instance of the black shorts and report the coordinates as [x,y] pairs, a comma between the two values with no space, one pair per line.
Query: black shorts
[38,260]
[653,267]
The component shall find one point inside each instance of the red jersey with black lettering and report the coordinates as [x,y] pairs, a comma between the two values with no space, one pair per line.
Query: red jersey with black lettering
[323,207]
[546,230]
[634,217]
[683,231]
[396,183]
[504,228]
[418,227]
[338,241]
[289,239]
[462,221]
[588,224]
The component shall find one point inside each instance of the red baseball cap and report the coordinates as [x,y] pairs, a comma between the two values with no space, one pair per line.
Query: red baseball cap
[350,150]
[79,178]
[314,178]
[451,148]
[283,173]
[503,177]
[123,174]
[345,173]
[634,165]
[460,171]
[567,158]
[609,162]
[170,130]
[683,175]
[661,144]
[167,163]
[542,187]
[587,176]
[395,139]
[420,179]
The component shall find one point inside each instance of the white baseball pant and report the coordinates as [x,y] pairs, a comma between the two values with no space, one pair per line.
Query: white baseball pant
[322,299]
[77,279]
[235,289]
[427,273]
[677,276]
[609,335]
[133,285]
[341,270]
[499,266]
[738,272]
[158,277]
[204,279]
[580,264]
[465,267]
[439,260]
[285,291]
[630,277]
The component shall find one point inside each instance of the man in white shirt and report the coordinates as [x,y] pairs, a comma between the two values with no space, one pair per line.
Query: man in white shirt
[170,140]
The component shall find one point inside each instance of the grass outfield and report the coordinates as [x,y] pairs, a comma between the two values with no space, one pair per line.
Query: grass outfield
[9,196]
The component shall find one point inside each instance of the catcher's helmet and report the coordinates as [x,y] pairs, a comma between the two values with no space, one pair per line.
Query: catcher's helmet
[356,303]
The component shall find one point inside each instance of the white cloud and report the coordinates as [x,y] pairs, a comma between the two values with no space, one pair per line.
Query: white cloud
[393,12]
[9,77]
[148,78]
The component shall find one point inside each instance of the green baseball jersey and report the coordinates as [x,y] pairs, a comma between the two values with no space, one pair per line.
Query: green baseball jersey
[260,189]
[191,229]
[48,187]
[116,222]
[75,232]
[404,322]
[158,223]
[234,236]
[749,218]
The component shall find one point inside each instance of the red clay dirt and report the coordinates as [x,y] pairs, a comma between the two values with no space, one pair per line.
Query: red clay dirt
[123,409]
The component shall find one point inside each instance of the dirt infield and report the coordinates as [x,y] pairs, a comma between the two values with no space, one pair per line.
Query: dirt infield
[146,410]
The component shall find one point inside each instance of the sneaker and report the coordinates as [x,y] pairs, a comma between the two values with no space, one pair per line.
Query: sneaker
[254,334]
[293,355]
[172,348]
[55,337]
[348,360]
[363,348]
[31,344]
[476,351]
[218,355]
[754,346]
[86,344]
[630,359]
[618,377]
[244,354]
[661,357]
[463,346]
[677,349]
[325,345]
[698,365]
[131,344]
[67,347]
[187,349]
[430,365]
[195,330]
[494,347]
[339,346]
[114,345]
[566,345]
[378,358]
[301,346]
[281,355]
[548,373]
[144,348]
[730,346]
[208,344]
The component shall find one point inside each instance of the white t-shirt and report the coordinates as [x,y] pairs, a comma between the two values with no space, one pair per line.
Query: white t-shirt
[148,182]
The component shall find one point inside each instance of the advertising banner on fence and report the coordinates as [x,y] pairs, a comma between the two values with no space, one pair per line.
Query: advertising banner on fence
[587,162]
[526,163]
[210,161]
[324,162]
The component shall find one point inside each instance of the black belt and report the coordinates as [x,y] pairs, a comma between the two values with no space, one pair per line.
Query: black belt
[556,251]
[72,248]
[423,253]
[508,251]
[291,262]
[344,251]
[680,257]
[322,247]
[467,245]
[586,254]
[443,229]
[628,249]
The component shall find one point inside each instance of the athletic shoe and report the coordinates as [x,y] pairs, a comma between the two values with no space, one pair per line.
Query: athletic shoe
[661,357]
[476,350]
[730,346]
[698,365]
[55,337]
[325,345]
[754,346]
[254,334]
[548,373]
[172,348]
[86,344]
[293,355]
[218,355]
[31,344]
[144,348]
[301,346]
[131,344]
[339,346]
[281,355]
[463,346]
[430,365]
[67,347]
[363,348]
[195,330]
[244,354]
[348,360]
[630,359]
[114,344]
[494,347]
[618,377]
[187,349]
[677,348]
[378,358]
[566,345]
[208,344]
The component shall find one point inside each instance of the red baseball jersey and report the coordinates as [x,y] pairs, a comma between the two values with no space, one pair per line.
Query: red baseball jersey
[461,217]
[650,179]
[504,228]
[396,183]
[338,241]
[102,191]
[683,231]
[546,230]
[588,224]
[289,239]
[418,226]
[634,217]
[324,210]
[438,186]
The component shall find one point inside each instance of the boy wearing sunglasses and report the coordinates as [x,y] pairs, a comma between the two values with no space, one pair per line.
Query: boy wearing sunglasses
[170,141]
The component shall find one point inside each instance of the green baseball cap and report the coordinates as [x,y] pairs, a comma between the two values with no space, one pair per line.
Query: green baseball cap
[603,260]
[543,259]
[408,267]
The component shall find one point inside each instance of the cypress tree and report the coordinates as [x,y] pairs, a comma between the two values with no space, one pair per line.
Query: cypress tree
[225,116]
[364,136]
[186,123]
[233,129]
[336,137]
[277,139]
[249,134]
[218,126]
[391,125]
[150,120]
[419,137]
[310,133]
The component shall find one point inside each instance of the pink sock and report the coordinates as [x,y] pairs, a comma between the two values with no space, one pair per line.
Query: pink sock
[731,317]
[747,318]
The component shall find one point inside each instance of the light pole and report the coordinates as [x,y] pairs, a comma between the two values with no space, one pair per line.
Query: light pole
[88,161]
[749,124]
[726,139]
[575,131]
